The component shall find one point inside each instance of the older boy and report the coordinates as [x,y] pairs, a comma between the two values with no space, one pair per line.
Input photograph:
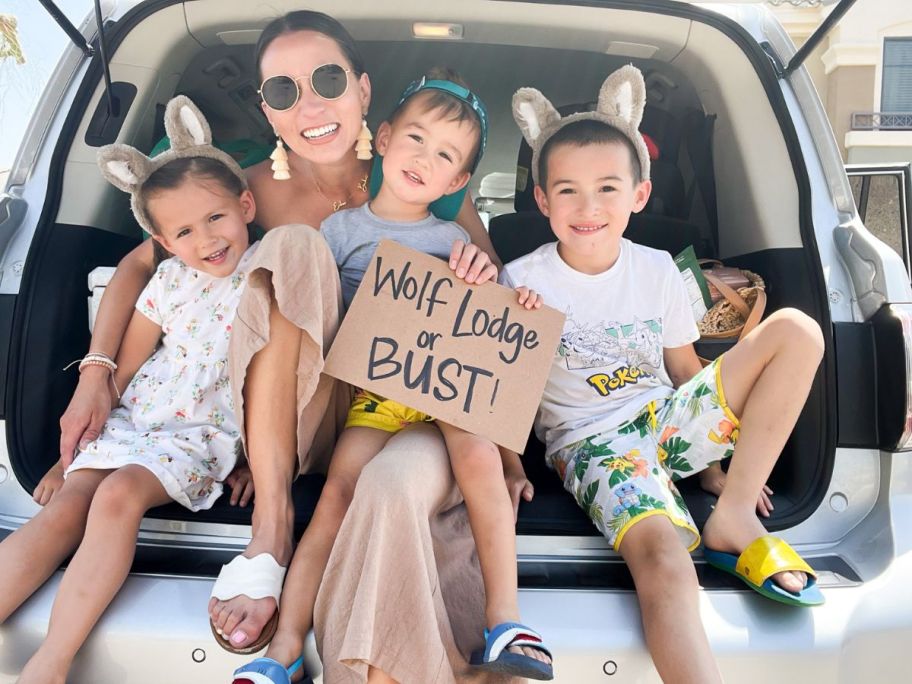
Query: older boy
[616,429]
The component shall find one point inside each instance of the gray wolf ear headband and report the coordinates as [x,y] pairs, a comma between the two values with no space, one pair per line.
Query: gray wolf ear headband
[621,100]
[127,168]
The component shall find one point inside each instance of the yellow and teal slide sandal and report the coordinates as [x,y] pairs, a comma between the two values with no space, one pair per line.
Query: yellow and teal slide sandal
[763,558]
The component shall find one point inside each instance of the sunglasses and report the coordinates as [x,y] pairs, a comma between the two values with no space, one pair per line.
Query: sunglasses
[329,81]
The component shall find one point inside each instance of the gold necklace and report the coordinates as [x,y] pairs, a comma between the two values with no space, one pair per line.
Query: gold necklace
[338,204]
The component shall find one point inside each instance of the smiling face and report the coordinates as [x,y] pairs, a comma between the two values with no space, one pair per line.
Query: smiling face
[203,224]
[319,130]
[425,154]
[589,195]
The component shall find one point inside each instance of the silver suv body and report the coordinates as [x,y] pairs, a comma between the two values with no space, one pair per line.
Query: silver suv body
[753,176]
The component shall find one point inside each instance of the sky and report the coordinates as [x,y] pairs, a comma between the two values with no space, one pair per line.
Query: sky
[21,86]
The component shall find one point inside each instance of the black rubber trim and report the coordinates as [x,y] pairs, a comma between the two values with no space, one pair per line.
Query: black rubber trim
[7,308]
[613,574]
[534,573]
[856,377]
[892,379]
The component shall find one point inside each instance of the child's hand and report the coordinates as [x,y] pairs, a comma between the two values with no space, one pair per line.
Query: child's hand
[50,484]
[471,264]
[241,482]
[518,485]
[713,478]
[530,299]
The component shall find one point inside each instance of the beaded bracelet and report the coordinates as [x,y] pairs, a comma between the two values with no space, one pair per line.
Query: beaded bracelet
[98,359]
[91,361]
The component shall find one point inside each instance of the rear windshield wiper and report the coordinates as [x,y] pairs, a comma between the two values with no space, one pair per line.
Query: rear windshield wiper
[80,42]
[75,36]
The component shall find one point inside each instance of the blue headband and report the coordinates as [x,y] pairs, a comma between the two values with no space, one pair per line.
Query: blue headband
[460,93]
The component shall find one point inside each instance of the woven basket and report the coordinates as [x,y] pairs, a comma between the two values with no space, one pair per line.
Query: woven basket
[738,312]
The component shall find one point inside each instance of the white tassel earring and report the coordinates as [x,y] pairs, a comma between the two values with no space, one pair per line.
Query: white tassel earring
[279,160]
[363,144]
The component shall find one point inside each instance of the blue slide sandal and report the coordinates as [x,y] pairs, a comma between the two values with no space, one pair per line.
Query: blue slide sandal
[496,658]
[266,671]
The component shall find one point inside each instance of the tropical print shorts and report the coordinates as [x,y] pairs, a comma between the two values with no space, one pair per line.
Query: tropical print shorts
[627,473]
[373,411]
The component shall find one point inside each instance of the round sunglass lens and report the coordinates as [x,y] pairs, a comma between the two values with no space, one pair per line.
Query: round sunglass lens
[329,81]
[280,92]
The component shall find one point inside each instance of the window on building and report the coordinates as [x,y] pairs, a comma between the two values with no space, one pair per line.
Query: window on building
[896,91]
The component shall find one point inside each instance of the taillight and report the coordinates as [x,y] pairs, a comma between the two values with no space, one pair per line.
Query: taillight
[893,346]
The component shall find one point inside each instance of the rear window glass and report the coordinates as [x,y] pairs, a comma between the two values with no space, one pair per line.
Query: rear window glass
[31,43]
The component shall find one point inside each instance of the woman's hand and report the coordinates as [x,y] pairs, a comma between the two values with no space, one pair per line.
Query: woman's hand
[241,482]
[712,480]
[530,299]
[471,263]
[86,414]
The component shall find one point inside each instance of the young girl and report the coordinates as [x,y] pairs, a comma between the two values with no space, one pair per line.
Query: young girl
[173,434]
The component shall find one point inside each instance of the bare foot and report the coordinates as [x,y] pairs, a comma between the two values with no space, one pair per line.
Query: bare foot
[531,652]
[537,654]
[241,619]
[712,480]
[49,485]
[732,531]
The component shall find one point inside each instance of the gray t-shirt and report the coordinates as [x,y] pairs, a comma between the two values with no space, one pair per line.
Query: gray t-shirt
[353,235]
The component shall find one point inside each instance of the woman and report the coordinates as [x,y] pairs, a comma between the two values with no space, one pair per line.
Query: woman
[283,327]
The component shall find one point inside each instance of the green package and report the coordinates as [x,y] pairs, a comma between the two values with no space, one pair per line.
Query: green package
[697,290]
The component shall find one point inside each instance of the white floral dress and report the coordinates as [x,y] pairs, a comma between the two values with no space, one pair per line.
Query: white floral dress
[176,417]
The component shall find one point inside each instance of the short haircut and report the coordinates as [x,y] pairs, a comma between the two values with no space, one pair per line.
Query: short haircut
[175,173]
[583,133]
[446,106]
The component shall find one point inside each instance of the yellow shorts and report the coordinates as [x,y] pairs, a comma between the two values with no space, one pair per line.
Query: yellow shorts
[373,411]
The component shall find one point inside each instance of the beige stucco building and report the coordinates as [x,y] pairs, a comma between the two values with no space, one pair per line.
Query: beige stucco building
[863,72]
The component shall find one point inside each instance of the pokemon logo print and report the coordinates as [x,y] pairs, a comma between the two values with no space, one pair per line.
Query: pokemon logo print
[595,346]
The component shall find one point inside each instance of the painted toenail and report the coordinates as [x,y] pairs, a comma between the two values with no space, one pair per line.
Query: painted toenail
[238,637]
[219,632]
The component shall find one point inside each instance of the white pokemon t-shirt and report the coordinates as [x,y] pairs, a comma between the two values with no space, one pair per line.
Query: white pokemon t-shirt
[610,363]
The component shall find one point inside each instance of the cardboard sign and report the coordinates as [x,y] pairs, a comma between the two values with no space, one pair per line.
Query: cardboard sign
[468,355]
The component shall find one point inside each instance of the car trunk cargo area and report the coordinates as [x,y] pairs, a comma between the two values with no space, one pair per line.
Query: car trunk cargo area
[714,189]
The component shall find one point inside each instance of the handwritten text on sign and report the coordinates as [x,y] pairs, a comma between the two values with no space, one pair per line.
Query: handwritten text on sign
[467,355]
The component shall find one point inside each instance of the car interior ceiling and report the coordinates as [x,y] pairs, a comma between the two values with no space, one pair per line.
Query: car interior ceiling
[221,80]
